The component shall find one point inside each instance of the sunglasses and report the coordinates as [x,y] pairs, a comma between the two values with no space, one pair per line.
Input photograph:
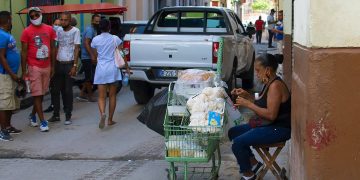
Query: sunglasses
[36,15]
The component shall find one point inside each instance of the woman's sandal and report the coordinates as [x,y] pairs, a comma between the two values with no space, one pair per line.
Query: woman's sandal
[111,123]
[102,121]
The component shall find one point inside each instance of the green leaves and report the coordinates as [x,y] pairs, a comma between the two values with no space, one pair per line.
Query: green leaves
[260,5]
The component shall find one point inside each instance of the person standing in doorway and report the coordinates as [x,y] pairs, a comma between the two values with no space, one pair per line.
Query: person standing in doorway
[271,24]
[107,74]
[259,27]
[65,67]
[88,59]
[37,62]
[9,66]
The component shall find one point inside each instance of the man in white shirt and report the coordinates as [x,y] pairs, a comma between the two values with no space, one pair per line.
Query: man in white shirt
[271,25]
[65,67]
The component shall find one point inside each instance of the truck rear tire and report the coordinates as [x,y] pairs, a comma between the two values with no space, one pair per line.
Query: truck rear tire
[143,92]
[248,79]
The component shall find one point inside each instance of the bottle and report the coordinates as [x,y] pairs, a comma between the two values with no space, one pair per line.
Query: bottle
[27,82]
[125,80]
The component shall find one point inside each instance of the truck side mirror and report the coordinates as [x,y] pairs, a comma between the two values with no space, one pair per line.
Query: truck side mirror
[250,30]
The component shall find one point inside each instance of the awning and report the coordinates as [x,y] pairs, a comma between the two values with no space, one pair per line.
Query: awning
[99,8]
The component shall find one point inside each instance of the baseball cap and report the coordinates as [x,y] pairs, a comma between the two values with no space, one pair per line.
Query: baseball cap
[34,9]
[273,10]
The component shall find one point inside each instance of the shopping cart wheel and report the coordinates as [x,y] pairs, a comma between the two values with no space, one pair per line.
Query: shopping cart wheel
[171,174]
[283,174]
[216,177]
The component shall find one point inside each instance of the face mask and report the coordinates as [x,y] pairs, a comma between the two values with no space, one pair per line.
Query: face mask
[56,27]
[37,21]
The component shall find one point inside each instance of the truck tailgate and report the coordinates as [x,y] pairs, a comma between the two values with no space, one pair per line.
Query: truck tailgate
[182,51]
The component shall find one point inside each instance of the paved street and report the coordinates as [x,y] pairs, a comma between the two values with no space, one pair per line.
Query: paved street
[128,150]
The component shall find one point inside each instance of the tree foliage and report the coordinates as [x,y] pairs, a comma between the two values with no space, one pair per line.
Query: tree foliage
[260,5]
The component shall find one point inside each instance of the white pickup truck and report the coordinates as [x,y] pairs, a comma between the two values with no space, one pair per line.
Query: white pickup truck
[178,38]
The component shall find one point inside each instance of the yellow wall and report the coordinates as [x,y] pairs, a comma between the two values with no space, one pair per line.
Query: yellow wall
[323,24]
[17,5]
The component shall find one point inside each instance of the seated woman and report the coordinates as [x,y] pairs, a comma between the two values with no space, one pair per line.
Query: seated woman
[273,111]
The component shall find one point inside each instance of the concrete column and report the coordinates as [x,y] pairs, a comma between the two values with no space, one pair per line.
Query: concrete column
[145,5]
[132,10]
[287,51]
[139,10]
[325,90]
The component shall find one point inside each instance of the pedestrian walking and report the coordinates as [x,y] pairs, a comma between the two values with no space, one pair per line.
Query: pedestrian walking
[37,62]
[271,24]
[259,27]
[56,27]
[65,67]
[88,59]
[107,74]
[9,66]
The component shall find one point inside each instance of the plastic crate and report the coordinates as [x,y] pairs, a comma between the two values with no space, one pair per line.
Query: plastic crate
[186,144]
[188,88]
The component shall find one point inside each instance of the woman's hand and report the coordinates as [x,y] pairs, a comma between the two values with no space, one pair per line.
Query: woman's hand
[242,93]
[242,102]
[128,70]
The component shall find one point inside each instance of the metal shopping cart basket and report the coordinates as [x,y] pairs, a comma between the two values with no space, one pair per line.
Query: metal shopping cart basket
[190,144]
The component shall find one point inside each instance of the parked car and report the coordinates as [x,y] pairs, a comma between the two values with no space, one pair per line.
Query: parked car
[178,38]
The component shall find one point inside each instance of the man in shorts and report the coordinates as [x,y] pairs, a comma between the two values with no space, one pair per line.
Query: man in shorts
[88,59]
[37,62]
[9,66]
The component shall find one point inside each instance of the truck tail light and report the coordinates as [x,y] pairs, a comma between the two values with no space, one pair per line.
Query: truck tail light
[215,49]
[126,48]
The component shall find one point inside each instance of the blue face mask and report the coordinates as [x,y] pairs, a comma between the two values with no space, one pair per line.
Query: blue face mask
[56,27]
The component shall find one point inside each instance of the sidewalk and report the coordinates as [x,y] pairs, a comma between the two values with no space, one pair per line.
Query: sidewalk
[129,150]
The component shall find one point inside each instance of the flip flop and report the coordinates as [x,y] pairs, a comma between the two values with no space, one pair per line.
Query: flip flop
[102,121]
[112,123]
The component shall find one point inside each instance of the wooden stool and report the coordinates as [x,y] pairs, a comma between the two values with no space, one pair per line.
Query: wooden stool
[269,160]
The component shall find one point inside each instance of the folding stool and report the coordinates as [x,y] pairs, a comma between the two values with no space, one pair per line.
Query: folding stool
[269,160]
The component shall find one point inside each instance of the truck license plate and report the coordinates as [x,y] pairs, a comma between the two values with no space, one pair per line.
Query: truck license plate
[168,73]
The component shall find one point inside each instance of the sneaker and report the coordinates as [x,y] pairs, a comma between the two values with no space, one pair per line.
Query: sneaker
[67,116]
[13,130]
[256,167]
[49,109]
[5,136]
[82,98]
[54,119]
[67,122]
[44,126]
[92,99]
[248,178]
[32,119]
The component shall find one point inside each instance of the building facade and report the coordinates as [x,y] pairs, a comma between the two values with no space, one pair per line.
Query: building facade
[144,9]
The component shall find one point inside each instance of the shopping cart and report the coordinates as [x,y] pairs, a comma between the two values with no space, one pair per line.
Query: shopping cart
[190,144]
